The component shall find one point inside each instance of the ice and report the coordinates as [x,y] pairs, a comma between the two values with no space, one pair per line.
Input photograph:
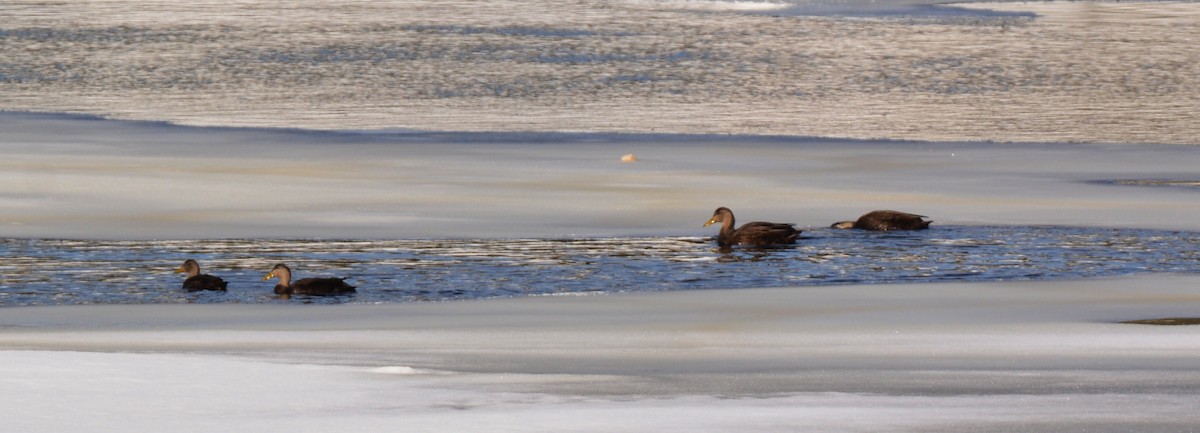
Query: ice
[1028,356]
[73,178]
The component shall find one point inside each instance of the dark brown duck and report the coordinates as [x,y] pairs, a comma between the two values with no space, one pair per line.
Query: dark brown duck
[756,233]
[885,220]
[306,286]
[197,281]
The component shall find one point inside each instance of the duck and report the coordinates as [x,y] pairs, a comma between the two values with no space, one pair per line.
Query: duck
[306,286]
[885,220]
[756,233]
[196,281]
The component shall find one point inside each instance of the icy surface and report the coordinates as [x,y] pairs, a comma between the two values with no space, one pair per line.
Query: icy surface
[885,358]
[86,178]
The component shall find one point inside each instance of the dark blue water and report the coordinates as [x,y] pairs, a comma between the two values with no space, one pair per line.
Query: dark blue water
[55,272]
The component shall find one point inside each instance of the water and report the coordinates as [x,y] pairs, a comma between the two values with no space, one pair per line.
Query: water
[902,69]
[55,272]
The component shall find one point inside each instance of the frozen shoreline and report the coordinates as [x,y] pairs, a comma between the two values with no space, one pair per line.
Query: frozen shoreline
[1031,356]
[71,177]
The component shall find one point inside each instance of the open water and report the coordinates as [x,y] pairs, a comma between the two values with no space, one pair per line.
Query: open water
[55,272]
[897,69]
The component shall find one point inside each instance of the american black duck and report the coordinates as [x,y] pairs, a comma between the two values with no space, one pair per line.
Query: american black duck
[196,281]
[756,233]
[885,220]
[306,286]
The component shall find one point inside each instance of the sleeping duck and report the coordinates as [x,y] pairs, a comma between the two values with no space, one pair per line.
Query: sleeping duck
[885,220]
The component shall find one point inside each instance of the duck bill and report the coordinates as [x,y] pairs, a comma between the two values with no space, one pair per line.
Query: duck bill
[180,270]
[268,276]
[710,222]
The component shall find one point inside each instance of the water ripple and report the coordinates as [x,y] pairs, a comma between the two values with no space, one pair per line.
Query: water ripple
[53,272]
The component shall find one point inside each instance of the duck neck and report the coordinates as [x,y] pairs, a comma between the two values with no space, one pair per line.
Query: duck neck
[285,278]
[190,268]
[726,235]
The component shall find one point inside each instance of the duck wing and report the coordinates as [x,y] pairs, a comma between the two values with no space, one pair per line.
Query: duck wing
[884,220]
[765,233]
[204,282]
[321,286]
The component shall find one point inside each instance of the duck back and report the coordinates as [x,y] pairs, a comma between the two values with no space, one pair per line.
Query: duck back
[204,282]
[320,286]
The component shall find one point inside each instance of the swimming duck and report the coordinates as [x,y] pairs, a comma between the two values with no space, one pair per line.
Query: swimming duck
[195,281]
[754,233]
[885,220]
[306,286]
